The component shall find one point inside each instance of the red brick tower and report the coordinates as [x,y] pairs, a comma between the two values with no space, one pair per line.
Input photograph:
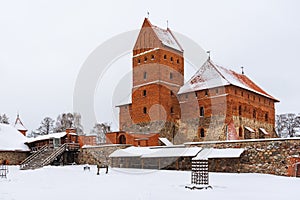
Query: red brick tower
[158,74]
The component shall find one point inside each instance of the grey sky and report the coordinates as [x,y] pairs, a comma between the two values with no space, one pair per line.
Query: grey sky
[43,45]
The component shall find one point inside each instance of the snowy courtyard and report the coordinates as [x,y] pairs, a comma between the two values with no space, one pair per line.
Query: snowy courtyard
[72,182]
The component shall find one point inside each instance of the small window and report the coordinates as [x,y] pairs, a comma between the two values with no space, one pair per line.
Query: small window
[201,111]
[259,99]
[172,110]
[254,114]
[242,94]
[177,61]
[144,93]
[186,96]
[240,132]
[145,59]
[267,117]
[235,92]
[254,98]
[145,75]
[145,110]
[202,134]
[217,91]
[165,57]
[240,110]
[139,61]
[248,96]
[196,94]
[171,93]
[206,93]
[152,57]
[171,75]
[171,59]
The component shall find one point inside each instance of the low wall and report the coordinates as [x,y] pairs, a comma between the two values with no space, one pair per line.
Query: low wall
[93,154]
[13,157]
[269,156]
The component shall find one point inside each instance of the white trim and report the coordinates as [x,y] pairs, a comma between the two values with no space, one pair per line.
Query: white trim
[145,52]
[157,81]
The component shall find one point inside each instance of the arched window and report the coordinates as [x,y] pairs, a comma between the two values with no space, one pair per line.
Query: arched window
[144,93]
[202,133]
[267,117]
[171,59]
[201,111]
[145,59]
[240,132]
[139,61]
[122,139]
[165,57]
[145,110]
[152,57]
[254,114]
[177,61]
[172,110]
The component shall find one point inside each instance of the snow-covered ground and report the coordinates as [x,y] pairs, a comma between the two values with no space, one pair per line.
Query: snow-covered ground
[71,182]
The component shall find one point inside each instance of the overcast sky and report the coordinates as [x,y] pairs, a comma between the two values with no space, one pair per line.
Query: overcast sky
[43,45]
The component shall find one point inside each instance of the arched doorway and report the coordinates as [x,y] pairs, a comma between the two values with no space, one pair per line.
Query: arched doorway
[122,139]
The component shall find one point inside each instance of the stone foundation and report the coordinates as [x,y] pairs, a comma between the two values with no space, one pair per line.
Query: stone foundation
[269,156]
[88,155]
[13,157]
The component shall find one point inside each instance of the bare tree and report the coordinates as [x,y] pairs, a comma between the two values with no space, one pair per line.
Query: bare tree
[100,130]
[287,124]
[4,119]
[69,120]
[46,126]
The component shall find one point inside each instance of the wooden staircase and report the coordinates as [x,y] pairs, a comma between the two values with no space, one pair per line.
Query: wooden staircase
[46,155]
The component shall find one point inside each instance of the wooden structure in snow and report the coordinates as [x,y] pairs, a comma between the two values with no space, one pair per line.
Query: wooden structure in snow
[200,172]
[3,171]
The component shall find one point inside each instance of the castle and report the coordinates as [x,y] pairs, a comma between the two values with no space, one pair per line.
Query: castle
[215,104]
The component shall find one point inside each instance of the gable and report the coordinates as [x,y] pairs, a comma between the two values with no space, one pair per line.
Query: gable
[151,36]
[211,75]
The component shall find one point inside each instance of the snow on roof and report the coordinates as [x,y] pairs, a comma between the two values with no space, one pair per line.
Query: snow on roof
[249,129]
[264,131]
[174,152]
[219,153]
[11,139]
[167,38]
[132,152]
[156,152]
[211,75]
[46,137]
[165,141]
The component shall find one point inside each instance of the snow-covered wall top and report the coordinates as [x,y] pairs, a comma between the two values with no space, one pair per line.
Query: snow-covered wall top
[11,139]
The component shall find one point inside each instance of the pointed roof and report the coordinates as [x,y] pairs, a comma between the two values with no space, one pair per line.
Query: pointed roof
[211,75]
[19,125]
[165,36]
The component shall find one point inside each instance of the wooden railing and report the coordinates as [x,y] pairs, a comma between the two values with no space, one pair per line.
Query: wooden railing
[25,162]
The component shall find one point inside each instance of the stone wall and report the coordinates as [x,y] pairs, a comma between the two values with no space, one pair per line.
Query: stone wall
[269,156]
[13,157]
[93,154]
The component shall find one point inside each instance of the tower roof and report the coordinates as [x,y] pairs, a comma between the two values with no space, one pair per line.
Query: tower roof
[19,125]
[211,75]
[165,36]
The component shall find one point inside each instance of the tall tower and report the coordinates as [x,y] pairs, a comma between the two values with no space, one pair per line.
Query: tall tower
[158,74]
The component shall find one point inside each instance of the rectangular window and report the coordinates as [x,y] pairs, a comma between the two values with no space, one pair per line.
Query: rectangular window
[171,76]
[201,111]
[145,75]
[144,93]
